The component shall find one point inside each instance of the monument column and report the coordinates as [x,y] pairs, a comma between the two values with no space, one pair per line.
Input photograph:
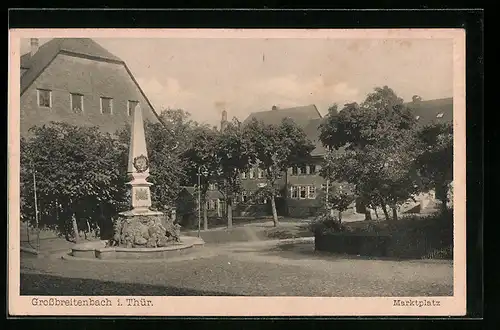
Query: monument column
[138,169]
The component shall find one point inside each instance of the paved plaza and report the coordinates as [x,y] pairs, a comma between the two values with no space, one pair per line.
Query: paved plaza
[259,268]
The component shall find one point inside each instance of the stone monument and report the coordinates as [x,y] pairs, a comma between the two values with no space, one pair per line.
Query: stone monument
[140,226]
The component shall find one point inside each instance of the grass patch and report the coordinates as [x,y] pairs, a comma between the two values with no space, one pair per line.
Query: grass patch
[288,232]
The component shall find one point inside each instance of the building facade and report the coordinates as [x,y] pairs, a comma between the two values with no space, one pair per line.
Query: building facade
[77,81]
[303,188]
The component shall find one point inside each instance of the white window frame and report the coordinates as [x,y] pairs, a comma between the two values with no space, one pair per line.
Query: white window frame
[313,195]
[128,106]
[315,169]
[260,173]
[244,196]
[303,188]
[110,104]
[38,90]
[296,190]
[71,101]
[296,170]
[251,174]
[243,175]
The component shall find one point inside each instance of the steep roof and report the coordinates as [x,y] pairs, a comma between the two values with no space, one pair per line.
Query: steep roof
[312,132]
[79,47]
[85,47]
[300,115]
[433,111]
[427,112]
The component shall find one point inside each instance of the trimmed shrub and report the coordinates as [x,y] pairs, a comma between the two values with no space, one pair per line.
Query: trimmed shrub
[327,224]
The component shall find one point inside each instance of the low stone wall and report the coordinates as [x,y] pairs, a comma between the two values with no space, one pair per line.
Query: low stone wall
[98,249]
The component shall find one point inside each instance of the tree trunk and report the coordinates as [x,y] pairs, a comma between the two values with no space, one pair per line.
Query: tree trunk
[76,235]
[229,214]
[376,213]
[384,208]
[340,216]
[205,217]
[368,215]
[275,214]
[394,213]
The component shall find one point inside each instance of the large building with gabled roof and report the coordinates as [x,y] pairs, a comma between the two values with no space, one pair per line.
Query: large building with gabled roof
[79,82]
[303,187]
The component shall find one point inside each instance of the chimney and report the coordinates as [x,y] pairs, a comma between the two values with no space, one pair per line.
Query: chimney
[223,122]
[274,107]
[34,45]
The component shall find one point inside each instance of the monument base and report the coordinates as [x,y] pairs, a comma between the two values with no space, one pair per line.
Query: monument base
[135,212]
[144,229]
[98,250]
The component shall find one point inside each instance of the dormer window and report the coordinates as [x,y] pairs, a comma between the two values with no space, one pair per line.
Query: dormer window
[76,102]
[440,115]
[44,97]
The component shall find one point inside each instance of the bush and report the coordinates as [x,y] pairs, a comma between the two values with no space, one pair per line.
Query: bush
[326,223]
[428,237]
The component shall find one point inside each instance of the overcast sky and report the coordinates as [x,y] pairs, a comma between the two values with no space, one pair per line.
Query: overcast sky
[203,76]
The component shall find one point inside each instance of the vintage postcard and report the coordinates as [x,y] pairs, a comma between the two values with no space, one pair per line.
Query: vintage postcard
[236,172]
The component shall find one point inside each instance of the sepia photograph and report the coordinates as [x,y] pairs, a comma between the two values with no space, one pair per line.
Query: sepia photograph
[229,168]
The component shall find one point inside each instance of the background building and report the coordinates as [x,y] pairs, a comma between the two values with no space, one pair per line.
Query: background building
[303,187]
[77,81]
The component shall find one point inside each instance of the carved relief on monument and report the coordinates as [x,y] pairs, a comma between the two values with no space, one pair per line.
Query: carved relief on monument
[141,194]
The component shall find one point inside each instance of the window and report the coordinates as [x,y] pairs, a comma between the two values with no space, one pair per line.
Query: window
[244,197]
[44,98]
[294,170]
[251,174]
[259,173]
[294,191]
[311,192]
[323,186]
[211,186]
[106,105]
[303,192]
[312,169]
[76,101]
[303,170]
[440,115]
[131,106]
[244,175]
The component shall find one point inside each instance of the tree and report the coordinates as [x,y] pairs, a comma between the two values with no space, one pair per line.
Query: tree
[276,148]
[234,156]
[435,163]
[202,155]
[373,147]
[340,198]
[79,174]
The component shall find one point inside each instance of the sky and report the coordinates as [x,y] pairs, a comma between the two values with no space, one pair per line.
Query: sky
[205,76]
